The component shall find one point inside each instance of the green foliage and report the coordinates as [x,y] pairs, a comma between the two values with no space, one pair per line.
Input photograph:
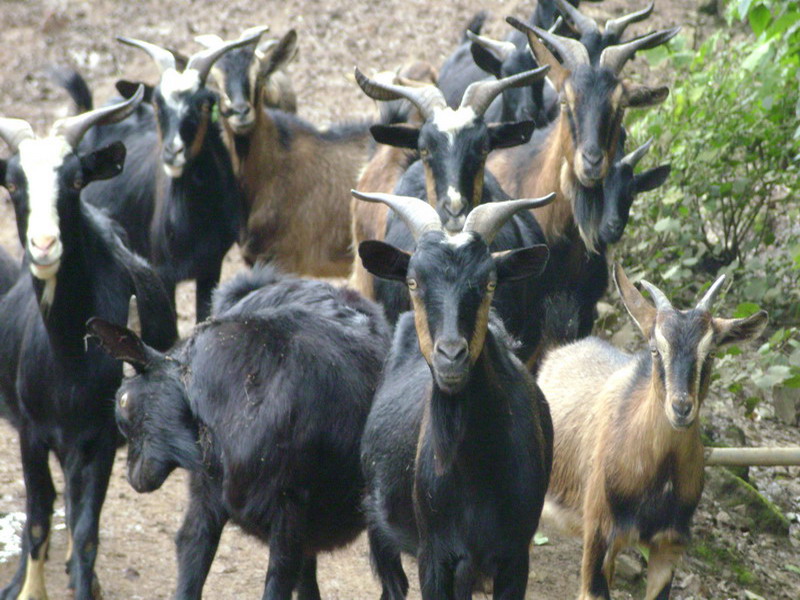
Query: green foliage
[731,130]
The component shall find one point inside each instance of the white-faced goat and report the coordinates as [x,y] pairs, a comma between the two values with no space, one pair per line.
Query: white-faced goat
[75,266]
[296,179]
[628,459]
[181,182]
[436,487]
[265,405]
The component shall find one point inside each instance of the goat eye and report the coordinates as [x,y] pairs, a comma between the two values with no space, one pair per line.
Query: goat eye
[78,183]
[491,286]
[412,283]
[11,188]
[654,351]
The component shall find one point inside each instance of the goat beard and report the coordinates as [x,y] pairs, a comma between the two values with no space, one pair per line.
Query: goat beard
[587,206]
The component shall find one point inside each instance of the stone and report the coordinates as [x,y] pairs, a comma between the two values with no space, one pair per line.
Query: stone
[749,510]
[628,568]
[786,402]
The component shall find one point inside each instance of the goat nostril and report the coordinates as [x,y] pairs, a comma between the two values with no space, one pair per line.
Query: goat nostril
[453,350]
[682,409]
[44,243]
[592,160]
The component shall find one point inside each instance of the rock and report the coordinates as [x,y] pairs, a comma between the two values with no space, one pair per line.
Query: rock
[131,574]
[786,402]
[691,584]
[749,510]
[628,568]
[723,518]
[752,596]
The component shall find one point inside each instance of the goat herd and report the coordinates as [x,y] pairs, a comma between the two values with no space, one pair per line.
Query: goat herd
[445,399]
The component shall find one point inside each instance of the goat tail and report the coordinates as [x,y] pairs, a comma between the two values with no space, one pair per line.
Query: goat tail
[75,85]
[475,25]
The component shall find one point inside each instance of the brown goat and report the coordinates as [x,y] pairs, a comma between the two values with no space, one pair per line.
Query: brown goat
[628,459]
[384,169]
[296,180]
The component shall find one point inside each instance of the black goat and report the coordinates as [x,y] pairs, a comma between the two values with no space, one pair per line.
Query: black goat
[75,266]
[457,449]
[9,271]
[265,404]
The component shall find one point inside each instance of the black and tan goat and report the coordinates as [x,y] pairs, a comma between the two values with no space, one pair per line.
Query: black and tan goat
[238,72]
[628,458]
[435,487]
[58,390]
[296,181]
[385,168]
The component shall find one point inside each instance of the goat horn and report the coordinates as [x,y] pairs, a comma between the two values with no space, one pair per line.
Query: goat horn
[488,219]
[556,24]
[634,157]
[427,99]
[203,61]
[572,52]
[711,295]
[419,216]
[582,24]
[15,131]
[501,49]
[480,94]
[661,301]
[209,40]
[134,323]
[616,27]
[74,128]
[615,57]
[162,57]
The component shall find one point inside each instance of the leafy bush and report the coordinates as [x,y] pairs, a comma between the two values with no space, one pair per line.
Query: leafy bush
[731,129]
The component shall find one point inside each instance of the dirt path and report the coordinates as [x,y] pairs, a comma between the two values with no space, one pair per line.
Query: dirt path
[137,557]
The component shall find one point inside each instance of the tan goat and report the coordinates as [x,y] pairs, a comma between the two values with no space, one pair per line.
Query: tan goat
[628,459]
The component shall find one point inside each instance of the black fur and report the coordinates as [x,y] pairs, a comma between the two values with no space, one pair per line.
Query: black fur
[58,389]
[265,404]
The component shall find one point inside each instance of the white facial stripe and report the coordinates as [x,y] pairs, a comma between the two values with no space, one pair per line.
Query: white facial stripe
[40,160]
[173,85]
[450,121]
[456,201]
[662,345]
[459,239]
[703,348]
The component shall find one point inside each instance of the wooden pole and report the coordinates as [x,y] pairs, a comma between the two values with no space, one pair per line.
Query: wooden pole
[752,457]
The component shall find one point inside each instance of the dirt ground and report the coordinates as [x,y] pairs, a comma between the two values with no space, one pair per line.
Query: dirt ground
[137,559]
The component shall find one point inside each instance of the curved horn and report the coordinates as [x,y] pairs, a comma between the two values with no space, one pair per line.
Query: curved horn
[426,98]
[14,131]
[203,61]
[209,40]
[479,94]
[661,301]
[634,157]
[711,295]
[501,49]
[572,52]
[74,128]
[581,22]
[419,216]
[162,57]
[134,323]
[487,219]
[615,57]
[616,27]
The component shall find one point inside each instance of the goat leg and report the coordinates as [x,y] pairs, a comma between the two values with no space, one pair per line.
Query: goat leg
[593,578]
[307,588]
[660,570]
[436,573]
[198,537]
[386,562]
[287,539]
[512,577]
[28,582]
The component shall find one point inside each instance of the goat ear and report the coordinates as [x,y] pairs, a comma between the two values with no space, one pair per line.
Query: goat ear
[513,265]
[120,343]
[384,260]
[642,312]
[104,163]
[506,135]
[558,73]
[486,60]
[651,179]
[399,136]
[640,96]
[127,89]
[277,56]
[732,331]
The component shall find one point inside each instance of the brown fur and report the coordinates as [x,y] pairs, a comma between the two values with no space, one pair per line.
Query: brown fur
[597,445]
[297,199]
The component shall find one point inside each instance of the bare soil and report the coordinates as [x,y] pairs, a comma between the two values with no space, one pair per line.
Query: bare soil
[137,558]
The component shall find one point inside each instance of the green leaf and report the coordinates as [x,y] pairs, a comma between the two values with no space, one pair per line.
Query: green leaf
[539,539]
[774,375]
[744,8]
[756,56]
[745,309]
[759,18]
[792,568]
